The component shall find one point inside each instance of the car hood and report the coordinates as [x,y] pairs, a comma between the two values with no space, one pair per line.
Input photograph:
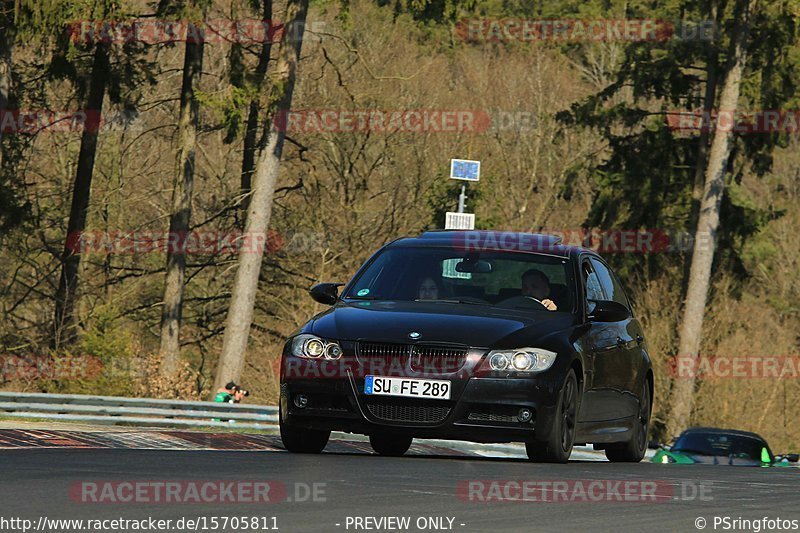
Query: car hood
[472,325]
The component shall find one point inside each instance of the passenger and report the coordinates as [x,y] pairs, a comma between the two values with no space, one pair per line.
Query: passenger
[428,289]
[536,285]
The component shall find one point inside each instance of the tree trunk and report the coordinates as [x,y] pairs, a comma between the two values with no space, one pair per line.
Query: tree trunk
[240,312]
[709,99]
[5,78]
[181,209]
[251,131]
[708,224]
[63,324]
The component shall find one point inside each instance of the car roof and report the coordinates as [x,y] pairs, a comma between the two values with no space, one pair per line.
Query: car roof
[490,240]
[720,431]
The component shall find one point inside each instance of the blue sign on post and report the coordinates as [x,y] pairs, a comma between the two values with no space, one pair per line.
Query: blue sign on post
[464,169]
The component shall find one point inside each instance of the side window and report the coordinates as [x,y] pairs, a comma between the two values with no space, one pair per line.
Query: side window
[618,290]
[610,283]
[594,290]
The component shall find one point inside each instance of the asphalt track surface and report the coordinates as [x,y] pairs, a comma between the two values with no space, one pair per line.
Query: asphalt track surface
[37,482]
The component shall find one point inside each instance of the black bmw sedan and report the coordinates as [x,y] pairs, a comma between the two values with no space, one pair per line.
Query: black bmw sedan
[472,335]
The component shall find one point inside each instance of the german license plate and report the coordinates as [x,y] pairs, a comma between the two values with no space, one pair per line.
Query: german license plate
[434,389]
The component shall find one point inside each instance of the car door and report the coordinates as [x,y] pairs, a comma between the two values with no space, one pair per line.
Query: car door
[605,358]
[622,369]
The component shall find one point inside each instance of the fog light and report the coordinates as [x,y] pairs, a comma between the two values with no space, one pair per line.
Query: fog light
[525,415]
[301,400]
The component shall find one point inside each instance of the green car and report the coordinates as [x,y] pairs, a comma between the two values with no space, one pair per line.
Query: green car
[714,446]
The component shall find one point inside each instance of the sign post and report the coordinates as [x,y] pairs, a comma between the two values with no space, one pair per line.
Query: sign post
[464,170]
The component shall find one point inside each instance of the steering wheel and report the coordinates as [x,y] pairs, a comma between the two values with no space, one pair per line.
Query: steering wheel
[519,301]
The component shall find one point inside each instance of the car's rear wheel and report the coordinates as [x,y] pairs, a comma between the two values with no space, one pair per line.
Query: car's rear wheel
[633,451]
[392,445]
[301,440]
[558,446]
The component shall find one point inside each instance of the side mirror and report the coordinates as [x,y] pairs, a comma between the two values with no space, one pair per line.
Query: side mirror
[608,311]
[790,457]
[325,293]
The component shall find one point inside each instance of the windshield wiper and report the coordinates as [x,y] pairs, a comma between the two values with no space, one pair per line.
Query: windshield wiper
[450,301]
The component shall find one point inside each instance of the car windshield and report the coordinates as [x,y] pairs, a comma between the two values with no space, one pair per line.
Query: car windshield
[724,444]
[496,278]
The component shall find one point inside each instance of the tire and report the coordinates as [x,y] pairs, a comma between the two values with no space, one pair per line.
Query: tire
[300,440]
[633,450]
[558,446]
[390,445]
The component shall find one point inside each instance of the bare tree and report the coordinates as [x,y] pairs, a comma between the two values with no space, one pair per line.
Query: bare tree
[251,129]
[63,323]
[181,205]
[708,222]
[5,66]
[240,312]
[709,98]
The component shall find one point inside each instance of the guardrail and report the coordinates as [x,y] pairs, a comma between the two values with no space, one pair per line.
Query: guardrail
[136,411]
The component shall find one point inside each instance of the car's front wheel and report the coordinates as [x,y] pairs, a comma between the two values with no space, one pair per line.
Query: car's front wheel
[558,446]
[301,440]
[391,445]
[633,451]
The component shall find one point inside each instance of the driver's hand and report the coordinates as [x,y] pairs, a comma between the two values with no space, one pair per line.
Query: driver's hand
[549,304]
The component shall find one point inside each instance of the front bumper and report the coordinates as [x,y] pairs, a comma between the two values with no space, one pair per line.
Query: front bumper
[481,409]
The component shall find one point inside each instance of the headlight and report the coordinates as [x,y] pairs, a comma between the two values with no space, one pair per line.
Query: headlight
[522,359]
[312,347]
[333,351]
[498,362]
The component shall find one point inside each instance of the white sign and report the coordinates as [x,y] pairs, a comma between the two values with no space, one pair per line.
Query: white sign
[459,220]
[464,169]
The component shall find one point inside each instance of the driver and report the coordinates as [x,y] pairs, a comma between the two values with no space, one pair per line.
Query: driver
[536,285]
